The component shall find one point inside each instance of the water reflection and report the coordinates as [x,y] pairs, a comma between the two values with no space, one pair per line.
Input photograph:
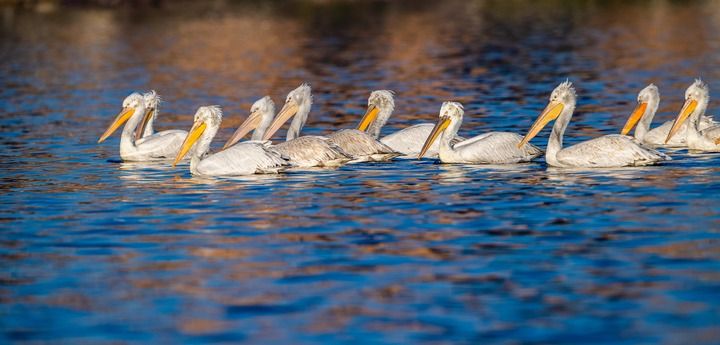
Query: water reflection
[406,252]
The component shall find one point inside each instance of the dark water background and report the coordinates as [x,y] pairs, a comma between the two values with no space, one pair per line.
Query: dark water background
[97,251]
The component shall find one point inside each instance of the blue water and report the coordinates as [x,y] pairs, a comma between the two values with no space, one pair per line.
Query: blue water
[93,250]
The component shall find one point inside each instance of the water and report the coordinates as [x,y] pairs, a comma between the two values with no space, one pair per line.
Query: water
[98,251]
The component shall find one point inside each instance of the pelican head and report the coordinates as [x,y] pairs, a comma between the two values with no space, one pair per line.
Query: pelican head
[647,102]
[298,103]
[562,100]
[132,104]
[696,99]
[450,119]
[261,114]
[381,104]
[205,126]
[152,104]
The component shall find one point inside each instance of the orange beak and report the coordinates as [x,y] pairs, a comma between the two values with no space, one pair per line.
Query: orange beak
[634,118]
[120,119]
[440,127]
[685,112]
[195,132]
[143,124]
[368,118]
[248,125]
[551,112]
[288,110]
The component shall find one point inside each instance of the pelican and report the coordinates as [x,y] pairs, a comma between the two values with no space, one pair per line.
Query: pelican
[157,146]
[488,148]
[306,151]
[648,100]
[604,152]
[241,159]
[407,141]
[696,102]
[152,106]
[359,144]
[261,115]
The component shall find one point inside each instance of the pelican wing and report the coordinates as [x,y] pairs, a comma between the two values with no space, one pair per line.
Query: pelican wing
[158,146]
[410,140]
[171,132]
[495,148]
[242,159]
[708,121]
[657,135]
[711,133]
[312,151]
[609,151]
[360,145]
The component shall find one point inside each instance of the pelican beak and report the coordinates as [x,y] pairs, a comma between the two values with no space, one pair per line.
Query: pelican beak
[120,119]
[141,128]
[196,131]
[551,112]
[250,123]
[288,110]
[440,126]
[686,110]
[636,115]
[717,141]
[368,118]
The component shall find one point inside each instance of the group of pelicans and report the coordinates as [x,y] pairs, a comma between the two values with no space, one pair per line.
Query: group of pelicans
[139,142]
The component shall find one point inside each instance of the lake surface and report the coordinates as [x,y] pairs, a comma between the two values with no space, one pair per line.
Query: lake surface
[93,250]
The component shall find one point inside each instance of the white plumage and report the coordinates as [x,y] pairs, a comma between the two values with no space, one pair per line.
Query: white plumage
[407,141]
[153,146]
[648,101]
[488,148]
[603,152]
[697,97]
[305,151]
[241,159]
[360,146]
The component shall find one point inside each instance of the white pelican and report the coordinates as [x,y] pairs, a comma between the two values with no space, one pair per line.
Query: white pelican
[696,102]
[158,146]
[306,151]
[261,115]
[648,100]
[488,148]
[603,152]
[241,159]
[408,141]
[152,107]
[361,145]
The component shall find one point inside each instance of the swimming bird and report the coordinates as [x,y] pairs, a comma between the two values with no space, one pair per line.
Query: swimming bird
[648,100]
[361,145]
[408,141]
[488,148]
[158,146]
[306,151]
[242,159]
[152,106]
[261,115]
[604,152]
[697,97]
